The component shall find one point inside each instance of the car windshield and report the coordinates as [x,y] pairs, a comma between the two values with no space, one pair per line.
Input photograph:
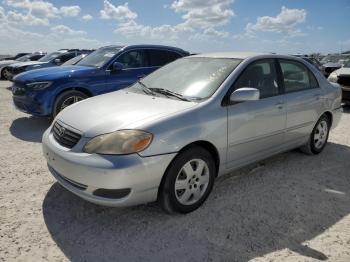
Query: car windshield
[193,78]
[23,58]
[74,60]
[49,57]
[99,57]
[347,63]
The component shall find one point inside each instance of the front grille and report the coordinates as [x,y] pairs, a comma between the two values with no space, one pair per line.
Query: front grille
[344,80]
[64,136]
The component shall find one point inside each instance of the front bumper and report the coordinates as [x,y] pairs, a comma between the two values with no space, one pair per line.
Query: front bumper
[28,101]
[85,174]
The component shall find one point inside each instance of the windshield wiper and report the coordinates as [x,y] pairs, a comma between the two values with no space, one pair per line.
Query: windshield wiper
[145,89]
[169,93]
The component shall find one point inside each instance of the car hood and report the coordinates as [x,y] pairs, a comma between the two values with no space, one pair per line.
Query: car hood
[7,62]
[119,110]
[331,64]
[54,73]
[343,71]
[28,63]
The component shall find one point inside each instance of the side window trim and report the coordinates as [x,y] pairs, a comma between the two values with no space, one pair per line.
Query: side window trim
[147,57]
[226,99]
[308,74]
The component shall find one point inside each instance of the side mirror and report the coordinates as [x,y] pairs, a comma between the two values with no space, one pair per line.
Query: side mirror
[245,94]
[57,61]
[116,67]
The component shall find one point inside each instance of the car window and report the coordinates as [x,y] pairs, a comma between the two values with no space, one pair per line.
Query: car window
[296,76]
[35,57]
[133,59]
[100,57]
[173,56]
[158,57]
[260,75]
[66,57]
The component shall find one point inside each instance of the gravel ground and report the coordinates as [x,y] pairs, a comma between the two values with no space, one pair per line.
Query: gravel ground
[290,207]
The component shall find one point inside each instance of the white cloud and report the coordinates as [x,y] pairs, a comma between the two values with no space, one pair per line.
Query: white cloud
[65,30]
[285,22]
[9,36]
[204,14]
[132,29]
[200,21]
[43,9]
[87,17]
[120,12]
[70,10]
[25,19]
[210,33]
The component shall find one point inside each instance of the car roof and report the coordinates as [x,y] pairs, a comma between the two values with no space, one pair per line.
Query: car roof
[126,47]
[238,55]
[246,55]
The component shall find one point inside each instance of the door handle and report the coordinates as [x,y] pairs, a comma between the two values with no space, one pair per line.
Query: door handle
[279,105]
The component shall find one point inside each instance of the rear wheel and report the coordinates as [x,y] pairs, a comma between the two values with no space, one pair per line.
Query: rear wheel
[66,99]
[319,137]
[188,181]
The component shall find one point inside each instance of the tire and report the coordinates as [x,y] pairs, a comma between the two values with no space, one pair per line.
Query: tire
[318,138]
[193,188]
[69,97]
[3,74]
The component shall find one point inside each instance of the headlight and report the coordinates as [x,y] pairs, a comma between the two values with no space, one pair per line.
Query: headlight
[119,143]
[38,85]
[333,77]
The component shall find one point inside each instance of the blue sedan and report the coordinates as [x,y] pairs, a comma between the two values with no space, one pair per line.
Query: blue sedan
[47,91]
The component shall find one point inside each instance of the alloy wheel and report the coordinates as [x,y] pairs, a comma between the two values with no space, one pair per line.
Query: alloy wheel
[70,101]
[192,181]
[321,133]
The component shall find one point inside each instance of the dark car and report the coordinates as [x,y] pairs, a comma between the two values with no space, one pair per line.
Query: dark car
[5,64]
[52,59]
[45,92]
[16,56]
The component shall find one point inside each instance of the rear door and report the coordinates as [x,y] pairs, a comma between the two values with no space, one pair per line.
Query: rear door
[256,128]
[303,98]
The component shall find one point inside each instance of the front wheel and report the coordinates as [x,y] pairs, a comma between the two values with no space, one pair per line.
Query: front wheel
[5,74]
[66,99]
[188,181]
[318,138]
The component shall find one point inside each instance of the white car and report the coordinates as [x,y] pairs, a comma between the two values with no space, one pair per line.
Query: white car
[342,77]
[168,136]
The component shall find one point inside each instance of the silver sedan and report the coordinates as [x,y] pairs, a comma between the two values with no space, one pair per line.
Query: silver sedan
[168,136]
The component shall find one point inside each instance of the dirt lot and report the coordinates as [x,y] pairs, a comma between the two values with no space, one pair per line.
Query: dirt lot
[291,207]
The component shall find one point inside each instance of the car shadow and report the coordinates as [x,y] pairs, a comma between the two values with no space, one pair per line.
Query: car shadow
[29,129]
[282,202]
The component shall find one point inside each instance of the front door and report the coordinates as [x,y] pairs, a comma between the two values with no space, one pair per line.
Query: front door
[135,67]
[256,128]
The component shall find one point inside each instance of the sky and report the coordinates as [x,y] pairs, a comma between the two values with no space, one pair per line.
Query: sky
[281,26]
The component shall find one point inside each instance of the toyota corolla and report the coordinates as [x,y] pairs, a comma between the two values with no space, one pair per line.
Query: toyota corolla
[168,136]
